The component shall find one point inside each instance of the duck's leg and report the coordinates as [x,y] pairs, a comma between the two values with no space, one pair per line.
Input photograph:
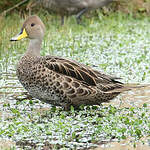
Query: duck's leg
[78,16]
[62,20]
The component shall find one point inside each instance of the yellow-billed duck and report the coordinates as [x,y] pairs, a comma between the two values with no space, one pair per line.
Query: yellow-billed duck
[59,81]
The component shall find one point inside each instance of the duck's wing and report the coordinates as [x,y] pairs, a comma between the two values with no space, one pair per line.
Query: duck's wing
[77,70]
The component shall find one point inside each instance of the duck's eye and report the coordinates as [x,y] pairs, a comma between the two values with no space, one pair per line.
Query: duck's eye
[32,24]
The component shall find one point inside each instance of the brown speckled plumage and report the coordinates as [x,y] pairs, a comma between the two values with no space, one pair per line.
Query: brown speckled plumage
[60,81]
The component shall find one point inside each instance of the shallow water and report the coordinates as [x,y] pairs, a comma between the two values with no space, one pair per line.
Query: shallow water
[133,98]
[120,48]
[127,144]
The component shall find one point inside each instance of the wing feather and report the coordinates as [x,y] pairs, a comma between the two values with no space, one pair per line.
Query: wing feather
[76,70]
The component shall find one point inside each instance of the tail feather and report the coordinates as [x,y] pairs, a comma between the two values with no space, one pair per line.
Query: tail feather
[128,87]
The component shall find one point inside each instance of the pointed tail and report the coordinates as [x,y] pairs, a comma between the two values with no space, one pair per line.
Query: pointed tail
[128,87]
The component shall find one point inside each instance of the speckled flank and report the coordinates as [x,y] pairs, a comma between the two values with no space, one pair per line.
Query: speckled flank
[60,81]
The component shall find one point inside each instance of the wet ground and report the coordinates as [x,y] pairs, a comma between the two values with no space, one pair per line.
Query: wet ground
[134,98]
[117,45]
[127,144]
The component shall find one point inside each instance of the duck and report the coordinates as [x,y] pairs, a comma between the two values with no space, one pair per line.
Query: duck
[59,81]
[72,7]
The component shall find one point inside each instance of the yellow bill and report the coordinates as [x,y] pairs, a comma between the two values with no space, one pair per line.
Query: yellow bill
[21,35]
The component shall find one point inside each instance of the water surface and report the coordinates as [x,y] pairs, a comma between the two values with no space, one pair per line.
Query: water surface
[116,45]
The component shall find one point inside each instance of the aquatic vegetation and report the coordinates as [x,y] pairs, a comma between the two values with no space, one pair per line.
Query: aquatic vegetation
[115,44]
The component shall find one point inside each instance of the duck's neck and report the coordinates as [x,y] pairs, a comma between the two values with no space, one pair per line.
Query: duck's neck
[34,47]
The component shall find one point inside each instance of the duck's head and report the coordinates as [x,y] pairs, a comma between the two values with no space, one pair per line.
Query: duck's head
[33,28]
